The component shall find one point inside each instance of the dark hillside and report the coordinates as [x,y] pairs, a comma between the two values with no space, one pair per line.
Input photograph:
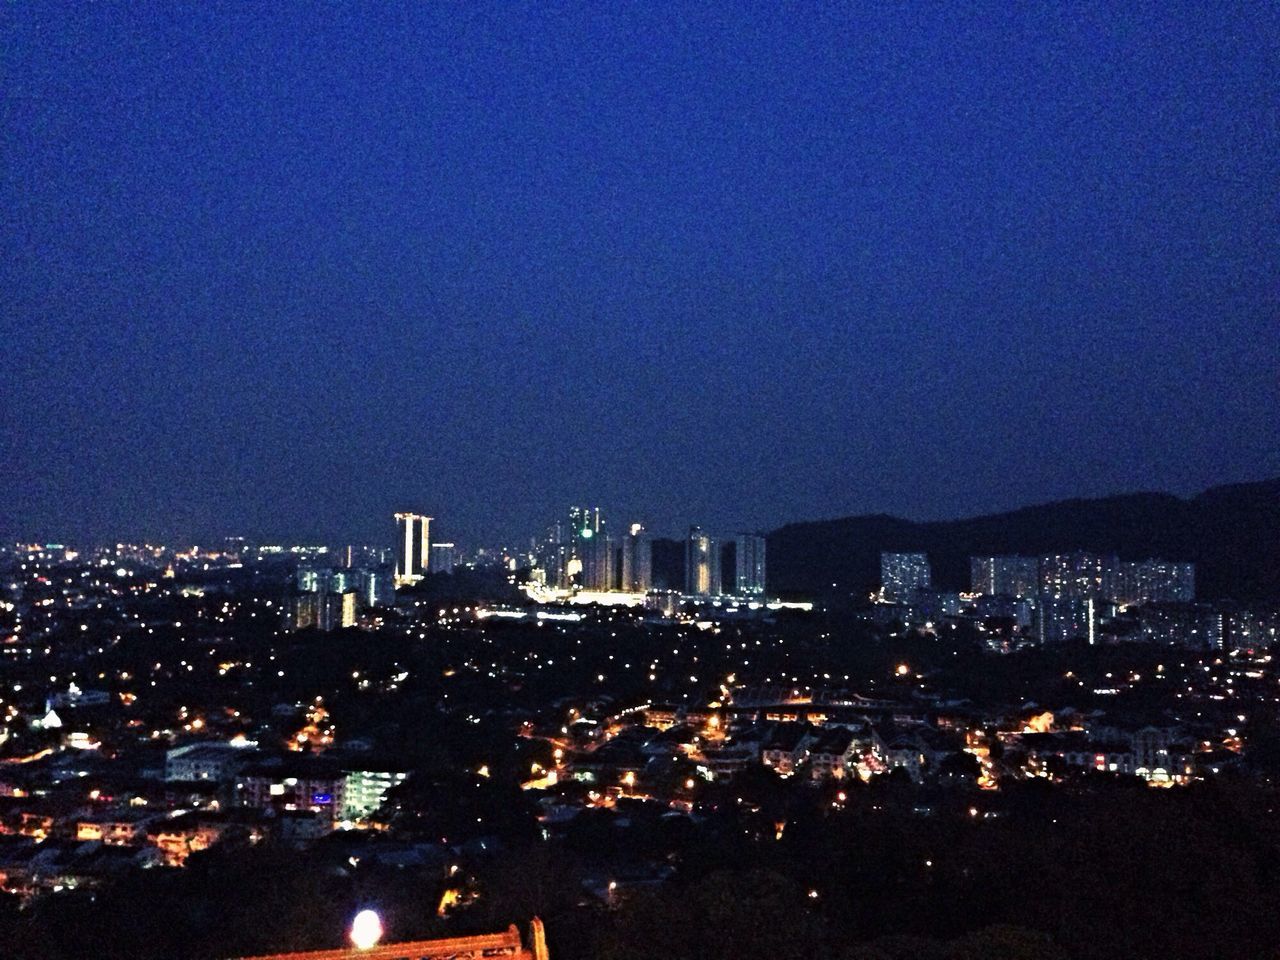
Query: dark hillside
[1232,533]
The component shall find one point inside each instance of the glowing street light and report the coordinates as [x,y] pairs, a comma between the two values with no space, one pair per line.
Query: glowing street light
[366,930]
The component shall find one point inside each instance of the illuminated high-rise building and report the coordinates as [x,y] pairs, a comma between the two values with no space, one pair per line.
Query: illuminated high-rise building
[1083,574]
[323,611]
[302,611]
[1064,617]
[340,581]
[750,565]
[338,611]
[377,588]
[903,575]
[312,580]
[1075,574]
[637,561]
[1151,581]
[413,548]
[702,564]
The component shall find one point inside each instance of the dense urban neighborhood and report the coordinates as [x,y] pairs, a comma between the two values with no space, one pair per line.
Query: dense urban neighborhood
[315,728]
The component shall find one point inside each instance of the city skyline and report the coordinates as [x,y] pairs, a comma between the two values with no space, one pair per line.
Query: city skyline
[520,540]
[606,482]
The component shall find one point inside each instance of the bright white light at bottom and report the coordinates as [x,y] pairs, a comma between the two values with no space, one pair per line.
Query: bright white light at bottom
[366,929]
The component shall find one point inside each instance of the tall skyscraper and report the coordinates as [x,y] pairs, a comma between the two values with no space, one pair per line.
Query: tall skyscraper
[413,550]
[902,575]
[750,564]
[637,561]
[599,559]
[702,564]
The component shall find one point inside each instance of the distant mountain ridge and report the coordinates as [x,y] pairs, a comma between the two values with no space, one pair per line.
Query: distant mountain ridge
[1231,533]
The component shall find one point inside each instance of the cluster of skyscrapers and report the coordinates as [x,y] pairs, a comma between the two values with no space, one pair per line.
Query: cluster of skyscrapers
[579,553]
[1084,575]
[706,573]
[704,565]
[330,599]
[582,552]
[1055,596]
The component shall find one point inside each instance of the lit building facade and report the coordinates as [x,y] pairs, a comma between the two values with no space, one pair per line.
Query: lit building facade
[302,611]
[1197,626]
[1060,618]
[312,580]
[599,562]
[365,790]
[377,588]
[323,611]
[903,575]
[312,787]
[1075,574]
[1097,576]
[702,564]
[413,548]
[338,611]
[1007,576]
[1152,581]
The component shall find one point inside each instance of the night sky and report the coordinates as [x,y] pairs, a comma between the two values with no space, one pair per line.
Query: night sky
[281,269]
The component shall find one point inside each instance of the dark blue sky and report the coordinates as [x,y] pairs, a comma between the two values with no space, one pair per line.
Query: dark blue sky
[280,268]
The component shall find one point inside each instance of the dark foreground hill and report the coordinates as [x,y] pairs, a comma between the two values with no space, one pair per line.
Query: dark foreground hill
[1232,534]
